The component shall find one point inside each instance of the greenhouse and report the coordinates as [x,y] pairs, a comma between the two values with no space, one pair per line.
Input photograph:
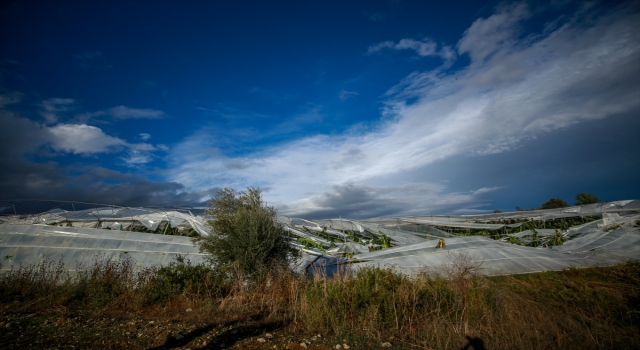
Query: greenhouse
[499,243]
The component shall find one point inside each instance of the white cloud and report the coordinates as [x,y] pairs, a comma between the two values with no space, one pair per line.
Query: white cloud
[513,90]
[123,112]
[86,139]
[82,139]
[137,157]
[144,136]
[490,35]
[345,95]
[423,48]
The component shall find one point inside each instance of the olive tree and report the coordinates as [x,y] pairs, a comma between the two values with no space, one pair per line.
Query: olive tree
[554,203]
[586,198]
[245,233]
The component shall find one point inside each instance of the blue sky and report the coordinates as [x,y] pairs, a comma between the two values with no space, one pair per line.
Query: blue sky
[334,108]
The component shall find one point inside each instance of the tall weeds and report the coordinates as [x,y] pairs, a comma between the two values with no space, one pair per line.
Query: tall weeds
[586,308]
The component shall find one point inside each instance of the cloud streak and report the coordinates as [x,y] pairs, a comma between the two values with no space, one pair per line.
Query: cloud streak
[513,90]
[423,48]
[51,108]
[122,113]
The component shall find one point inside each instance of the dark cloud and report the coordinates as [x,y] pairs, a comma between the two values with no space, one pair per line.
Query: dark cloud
[358,201]
[26,179]
[19,135]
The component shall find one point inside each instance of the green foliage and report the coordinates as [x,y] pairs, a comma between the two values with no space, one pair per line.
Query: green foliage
[166,229]
[308,243]
[612,227]
[369,296]
[245,233]
[379,242]
[385,241]
[30,282]
[591,308]
[554,203]
[514,240]
[557,239]
[586,198]
[322,234]
[181,276]
[497,211]
[354,237]
[536,239]
[104,280]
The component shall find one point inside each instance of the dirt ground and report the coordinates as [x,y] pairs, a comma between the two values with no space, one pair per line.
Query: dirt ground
[174,327]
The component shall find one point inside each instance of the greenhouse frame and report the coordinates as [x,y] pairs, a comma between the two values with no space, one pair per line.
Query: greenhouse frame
[530,241]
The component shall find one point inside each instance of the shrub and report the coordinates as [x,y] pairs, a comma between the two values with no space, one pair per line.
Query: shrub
[586,198]
[104,280]
[554,203]
[183,277]
[245,233]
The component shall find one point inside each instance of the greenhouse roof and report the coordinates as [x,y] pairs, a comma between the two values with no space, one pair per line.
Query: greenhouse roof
[80,236]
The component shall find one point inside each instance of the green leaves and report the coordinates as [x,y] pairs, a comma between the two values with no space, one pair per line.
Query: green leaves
[245,233]
[554,203]
[586,198]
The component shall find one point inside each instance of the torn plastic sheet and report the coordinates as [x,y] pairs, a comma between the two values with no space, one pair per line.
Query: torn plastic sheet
[58,233]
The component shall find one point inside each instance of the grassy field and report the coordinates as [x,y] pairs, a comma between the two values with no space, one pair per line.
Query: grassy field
[111,305]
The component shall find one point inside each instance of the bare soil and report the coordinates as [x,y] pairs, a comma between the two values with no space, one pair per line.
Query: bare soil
[175,326]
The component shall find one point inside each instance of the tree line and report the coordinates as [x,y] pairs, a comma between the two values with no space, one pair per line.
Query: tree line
[555,203]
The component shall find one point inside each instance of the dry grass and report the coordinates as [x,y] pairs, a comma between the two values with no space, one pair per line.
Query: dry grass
[573,309]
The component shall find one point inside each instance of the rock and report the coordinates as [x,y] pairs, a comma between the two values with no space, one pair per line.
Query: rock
[152,322]
[268,336]
[338,346]
[304,345]
[262,340]
[386,344]
[314,338]
[234,331]
[345,346]
[222,346]
[189,310]
[179,336]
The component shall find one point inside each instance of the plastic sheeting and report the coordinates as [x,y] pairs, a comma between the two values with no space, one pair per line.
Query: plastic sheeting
[611,240]
[73,236]
[118,218]
[30,244]
[596,246]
